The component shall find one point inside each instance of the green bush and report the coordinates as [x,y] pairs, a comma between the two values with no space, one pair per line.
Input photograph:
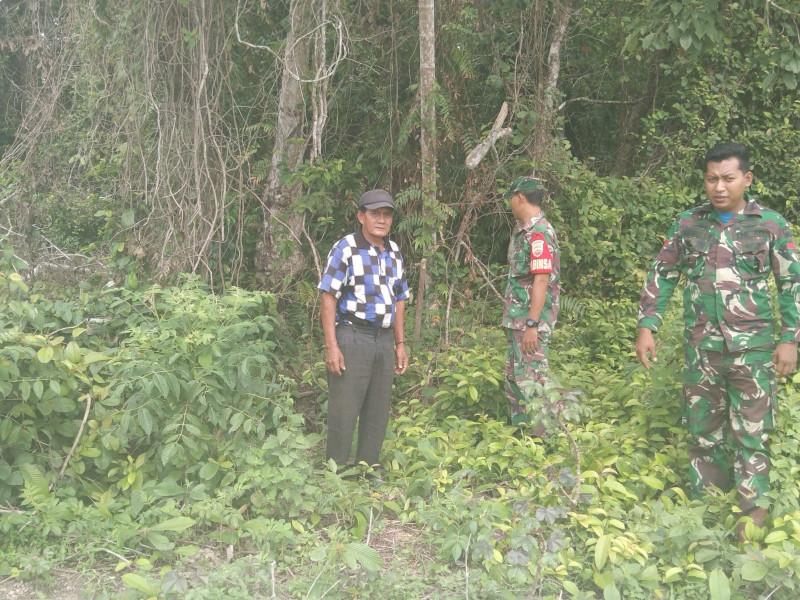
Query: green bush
[123,387]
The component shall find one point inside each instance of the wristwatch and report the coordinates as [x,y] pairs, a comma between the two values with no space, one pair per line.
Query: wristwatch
[531,323]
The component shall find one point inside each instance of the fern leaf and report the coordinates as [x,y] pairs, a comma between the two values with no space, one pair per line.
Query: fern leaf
[35,483]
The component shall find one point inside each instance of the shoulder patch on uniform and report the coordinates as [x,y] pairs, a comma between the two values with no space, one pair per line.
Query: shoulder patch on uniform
[541,256]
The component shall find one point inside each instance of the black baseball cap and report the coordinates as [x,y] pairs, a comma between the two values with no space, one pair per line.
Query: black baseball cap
[375,199]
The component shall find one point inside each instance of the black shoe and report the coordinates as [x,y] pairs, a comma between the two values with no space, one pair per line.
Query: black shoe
[375,475]
[347,471]
[374,479]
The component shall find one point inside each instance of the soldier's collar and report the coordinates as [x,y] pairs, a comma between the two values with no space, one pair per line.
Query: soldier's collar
[751,208]
[531,222]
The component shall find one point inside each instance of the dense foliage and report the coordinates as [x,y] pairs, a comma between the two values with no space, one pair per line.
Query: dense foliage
[160,410]
[165,429]
[160,124]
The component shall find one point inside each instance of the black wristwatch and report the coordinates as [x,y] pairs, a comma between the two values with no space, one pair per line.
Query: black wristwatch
[531,323]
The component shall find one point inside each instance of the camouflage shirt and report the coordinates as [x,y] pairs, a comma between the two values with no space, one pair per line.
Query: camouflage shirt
[726,267]
[533,249]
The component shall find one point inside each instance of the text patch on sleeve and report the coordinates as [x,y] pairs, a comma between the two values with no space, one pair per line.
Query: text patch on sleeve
[541,257]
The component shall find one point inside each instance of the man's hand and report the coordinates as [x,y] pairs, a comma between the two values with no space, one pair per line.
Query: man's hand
[785,359]
[401,359]
[530,340]
[334,360]
[645,345]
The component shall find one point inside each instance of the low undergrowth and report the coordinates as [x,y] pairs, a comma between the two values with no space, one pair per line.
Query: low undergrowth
[153,433]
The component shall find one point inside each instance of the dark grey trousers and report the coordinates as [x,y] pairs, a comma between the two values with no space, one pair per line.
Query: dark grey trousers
[363,393]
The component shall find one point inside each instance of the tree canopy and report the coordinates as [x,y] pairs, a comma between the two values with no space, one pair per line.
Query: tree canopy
[209,135]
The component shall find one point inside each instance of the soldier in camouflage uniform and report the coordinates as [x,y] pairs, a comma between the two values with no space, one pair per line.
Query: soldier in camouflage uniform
[531,300]
[725,250]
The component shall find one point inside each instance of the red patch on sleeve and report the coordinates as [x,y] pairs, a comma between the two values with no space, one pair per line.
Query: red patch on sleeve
[790,245]
[541,257]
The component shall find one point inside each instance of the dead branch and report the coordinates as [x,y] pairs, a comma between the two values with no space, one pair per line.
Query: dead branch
[77,438]
[594,101]
[483,269]
[478,152]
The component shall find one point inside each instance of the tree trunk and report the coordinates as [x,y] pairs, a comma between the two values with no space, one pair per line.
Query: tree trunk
[281,226]
[427,84]
[543,135]
[631,118]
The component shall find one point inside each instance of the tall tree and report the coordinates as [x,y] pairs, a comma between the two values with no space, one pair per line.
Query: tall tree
[428,141]
[280,223]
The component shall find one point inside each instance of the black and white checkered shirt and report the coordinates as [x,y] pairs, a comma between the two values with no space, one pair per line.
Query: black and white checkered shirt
[366,282]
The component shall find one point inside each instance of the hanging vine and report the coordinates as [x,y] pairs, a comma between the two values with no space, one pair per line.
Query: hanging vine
[159,80]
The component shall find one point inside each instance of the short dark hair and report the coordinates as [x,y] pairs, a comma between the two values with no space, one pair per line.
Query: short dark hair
[535,197]
[727,150]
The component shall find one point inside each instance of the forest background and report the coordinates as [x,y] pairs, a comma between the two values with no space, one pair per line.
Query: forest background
[172,174]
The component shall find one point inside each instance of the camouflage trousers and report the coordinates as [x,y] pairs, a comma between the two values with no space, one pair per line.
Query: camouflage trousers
[523,367]
[729,398]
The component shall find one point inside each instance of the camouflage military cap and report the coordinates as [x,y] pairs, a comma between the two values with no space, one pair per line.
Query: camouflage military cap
[524,184]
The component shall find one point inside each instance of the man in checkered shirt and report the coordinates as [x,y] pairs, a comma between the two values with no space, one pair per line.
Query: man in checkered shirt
[364,290]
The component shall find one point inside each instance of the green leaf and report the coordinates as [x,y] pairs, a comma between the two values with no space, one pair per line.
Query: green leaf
[393,506]
[162,384]
[318,554]
[160,542]
[168,488]
[174,524]
[571,587]
[138,582]
[705,554]
[601,551]
[127,219]
[653,482]
[45,354]
[145,421]
[73,352]
[611,592]
[205,360]
[775,537]
[604,579]
[236,422]
[19,264]
[649,573]
[719,586]
[63,405]
[208,470]
[189,550]
[35,480]
[365,556]
[754,570]
[93,357]
[360,528]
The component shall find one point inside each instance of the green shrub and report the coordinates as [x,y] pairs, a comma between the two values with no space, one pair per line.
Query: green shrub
[122,387]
